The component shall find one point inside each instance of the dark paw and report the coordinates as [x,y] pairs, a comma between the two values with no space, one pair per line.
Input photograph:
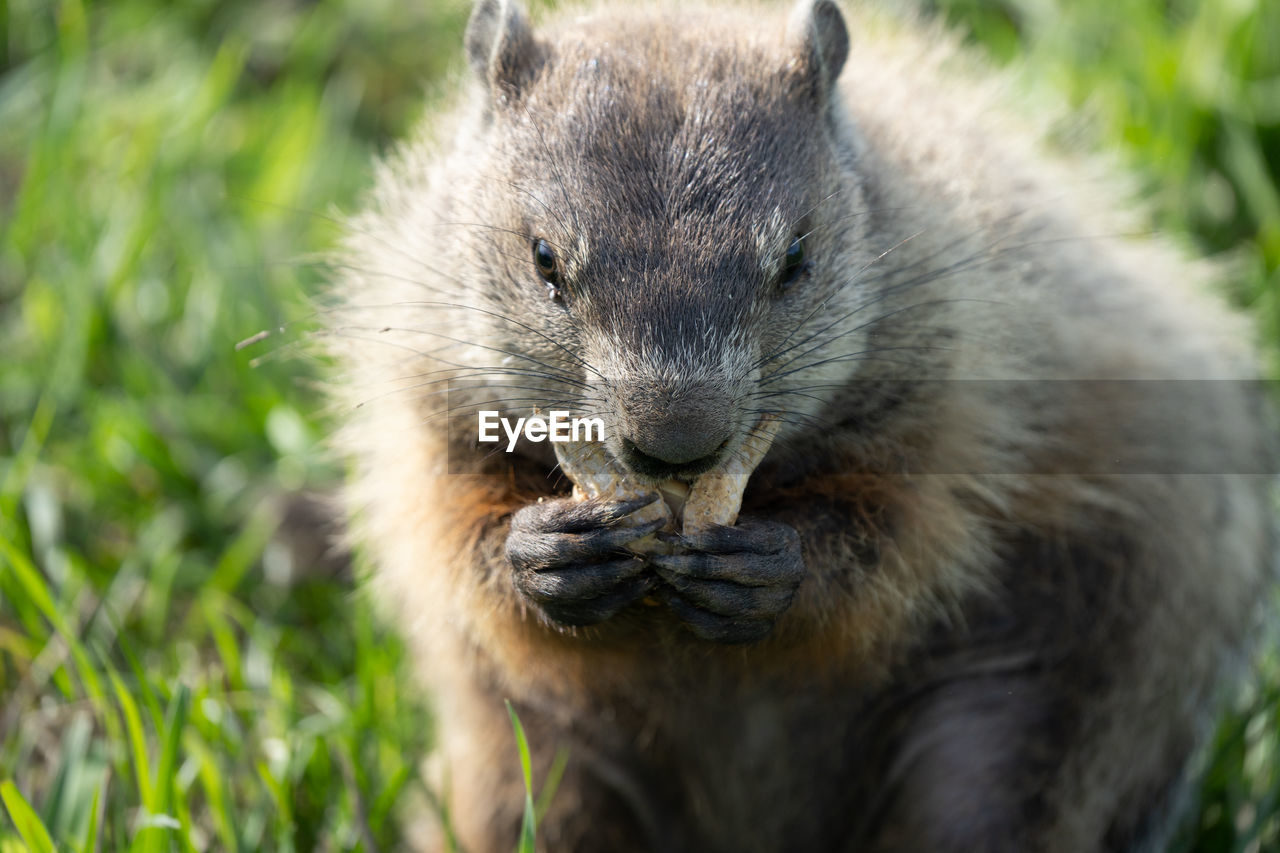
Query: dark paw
[731,584]
[569,560]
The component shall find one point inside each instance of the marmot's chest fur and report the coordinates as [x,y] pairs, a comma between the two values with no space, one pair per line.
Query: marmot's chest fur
[988,574]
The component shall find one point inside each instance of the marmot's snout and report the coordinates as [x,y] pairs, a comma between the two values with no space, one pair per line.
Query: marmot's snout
[670,432]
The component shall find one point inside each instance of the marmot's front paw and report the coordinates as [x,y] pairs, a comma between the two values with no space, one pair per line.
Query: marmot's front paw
[732,583]
[569,562]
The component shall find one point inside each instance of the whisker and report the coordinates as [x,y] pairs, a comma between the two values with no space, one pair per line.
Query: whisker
[778,353]
[555,167]
[794,418]
[523,235]
[424,395]
[864,355]
[879,319]
[548,208]
[432,333]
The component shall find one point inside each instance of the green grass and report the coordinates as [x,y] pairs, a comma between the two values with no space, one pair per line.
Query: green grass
[167,174]
[1186,92]
[172,674]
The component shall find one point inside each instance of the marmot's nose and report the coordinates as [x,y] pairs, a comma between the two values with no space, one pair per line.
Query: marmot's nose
[675,442]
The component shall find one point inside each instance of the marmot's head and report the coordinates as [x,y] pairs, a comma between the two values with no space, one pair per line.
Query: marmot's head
[672,221]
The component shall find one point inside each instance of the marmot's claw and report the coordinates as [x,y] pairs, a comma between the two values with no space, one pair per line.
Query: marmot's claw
[567,516]
[749,535]
[732,583]
[569,561]
[713,626]
[589,594]
[542,552]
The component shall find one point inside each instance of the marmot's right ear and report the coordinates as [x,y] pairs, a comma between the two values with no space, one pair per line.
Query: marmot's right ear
[819,42]
[500,45]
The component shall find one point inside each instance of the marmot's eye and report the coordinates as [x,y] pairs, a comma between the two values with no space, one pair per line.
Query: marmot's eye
[544,258]
[793,263]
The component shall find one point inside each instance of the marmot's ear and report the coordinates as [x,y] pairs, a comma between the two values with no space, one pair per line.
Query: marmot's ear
[500,45]
[819,42]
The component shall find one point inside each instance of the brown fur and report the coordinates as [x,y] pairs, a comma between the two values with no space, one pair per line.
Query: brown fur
[999,643]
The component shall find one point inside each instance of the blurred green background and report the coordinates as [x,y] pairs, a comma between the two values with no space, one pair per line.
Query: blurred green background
[175,672]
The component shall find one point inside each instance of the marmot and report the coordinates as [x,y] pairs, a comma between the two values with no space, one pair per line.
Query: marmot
[988,579]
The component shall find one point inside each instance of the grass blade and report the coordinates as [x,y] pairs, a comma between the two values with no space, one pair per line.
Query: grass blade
[28,823]
[152,836]
[90,844]
[552,782]
[137,739]
[529,826]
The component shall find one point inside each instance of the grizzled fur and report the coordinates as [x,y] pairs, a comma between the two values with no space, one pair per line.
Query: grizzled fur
[975,600]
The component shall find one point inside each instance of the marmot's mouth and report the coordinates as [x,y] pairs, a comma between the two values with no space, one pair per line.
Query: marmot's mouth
[652,467]
[712,498]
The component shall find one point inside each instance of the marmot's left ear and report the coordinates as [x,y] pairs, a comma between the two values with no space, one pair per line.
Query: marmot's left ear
[500,45]
[819,43]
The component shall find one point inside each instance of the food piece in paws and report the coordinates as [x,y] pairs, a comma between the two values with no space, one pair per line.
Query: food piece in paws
[716,496]
[595,474]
